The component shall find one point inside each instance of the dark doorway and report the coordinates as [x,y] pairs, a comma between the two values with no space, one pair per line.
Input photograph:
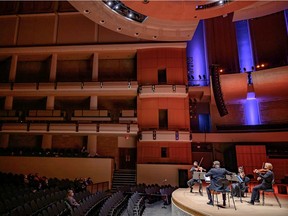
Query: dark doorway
[163,119]
[162,77]
[127,157]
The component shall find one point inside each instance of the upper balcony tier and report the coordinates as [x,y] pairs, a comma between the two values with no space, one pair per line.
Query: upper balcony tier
[70,89]
[148,91]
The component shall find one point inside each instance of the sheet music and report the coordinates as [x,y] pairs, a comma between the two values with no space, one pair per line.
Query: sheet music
[199,175]
[233,178]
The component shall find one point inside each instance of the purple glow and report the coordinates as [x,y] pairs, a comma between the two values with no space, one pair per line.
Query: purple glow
[286,19]
[196,51]
[251,109]
[244,45]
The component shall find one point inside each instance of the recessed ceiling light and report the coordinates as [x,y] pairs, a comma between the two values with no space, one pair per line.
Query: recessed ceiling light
[154,36]
[136,34]
[87,12]
[102,21]
[119,29]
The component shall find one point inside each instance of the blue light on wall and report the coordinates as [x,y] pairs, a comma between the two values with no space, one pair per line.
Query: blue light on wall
[204,122]
[196,58]
[286,19]
[251,109]
[244,45]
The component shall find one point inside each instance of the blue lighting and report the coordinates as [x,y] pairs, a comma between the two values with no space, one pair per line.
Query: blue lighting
[196,53]
[244,45]
[251,109]
[204,122]
[286,19]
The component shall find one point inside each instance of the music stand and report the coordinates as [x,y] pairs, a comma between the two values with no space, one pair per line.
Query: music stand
[234,178]
[199,176]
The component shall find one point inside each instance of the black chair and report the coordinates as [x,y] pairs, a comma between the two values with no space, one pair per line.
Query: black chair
[270,191]
[223,188]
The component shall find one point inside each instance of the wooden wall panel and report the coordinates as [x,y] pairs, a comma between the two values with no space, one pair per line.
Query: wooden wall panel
[8,30]
[68,141]
[155,59]
[76,28]
[179,153]
[36,30]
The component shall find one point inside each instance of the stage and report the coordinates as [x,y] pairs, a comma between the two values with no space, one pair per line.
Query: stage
[186,203]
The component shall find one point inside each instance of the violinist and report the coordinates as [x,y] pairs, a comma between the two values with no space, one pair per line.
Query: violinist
[239,188]
[267,176]
[192,181]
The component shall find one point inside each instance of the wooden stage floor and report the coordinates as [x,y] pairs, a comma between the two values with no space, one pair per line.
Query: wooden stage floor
[195,204]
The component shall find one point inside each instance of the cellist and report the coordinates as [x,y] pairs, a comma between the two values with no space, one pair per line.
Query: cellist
[267,176]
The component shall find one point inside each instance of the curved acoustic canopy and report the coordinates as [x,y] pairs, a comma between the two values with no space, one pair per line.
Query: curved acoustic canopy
[167,20]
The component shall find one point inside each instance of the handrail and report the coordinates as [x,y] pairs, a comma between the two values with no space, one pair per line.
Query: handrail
[98,187]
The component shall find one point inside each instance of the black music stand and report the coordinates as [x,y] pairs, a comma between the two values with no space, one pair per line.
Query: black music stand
[234,178]
[199,176]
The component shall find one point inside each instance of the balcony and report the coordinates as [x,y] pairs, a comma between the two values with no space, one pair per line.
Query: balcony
[69,128]
[70,89]
[175,91]
[165,136]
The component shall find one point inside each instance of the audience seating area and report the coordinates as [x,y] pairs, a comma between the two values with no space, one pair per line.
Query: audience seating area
[18,198]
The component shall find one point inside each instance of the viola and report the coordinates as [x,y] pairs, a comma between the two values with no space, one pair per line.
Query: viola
[262,171]
[200,169]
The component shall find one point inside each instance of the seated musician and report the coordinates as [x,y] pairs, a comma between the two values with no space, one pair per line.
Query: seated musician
[192,181]
[267,176]
[215,174]
[239,188]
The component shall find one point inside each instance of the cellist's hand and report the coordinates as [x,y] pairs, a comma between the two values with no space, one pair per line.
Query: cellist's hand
[258,178]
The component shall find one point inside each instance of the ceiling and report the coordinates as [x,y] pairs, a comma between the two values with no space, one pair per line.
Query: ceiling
[171,20]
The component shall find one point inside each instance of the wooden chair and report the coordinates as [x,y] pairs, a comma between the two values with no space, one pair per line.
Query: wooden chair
[270,191]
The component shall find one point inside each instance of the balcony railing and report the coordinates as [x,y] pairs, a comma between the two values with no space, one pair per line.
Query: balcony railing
[180,91]
[165,136]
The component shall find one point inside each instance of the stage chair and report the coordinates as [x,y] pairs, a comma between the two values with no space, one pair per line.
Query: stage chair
[270,191]
[224,188]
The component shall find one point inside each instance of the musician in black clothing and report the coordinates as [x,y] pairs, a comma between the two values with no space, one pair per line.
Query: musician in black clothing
[239,188]
[215,174]
[192,181]
[267,177]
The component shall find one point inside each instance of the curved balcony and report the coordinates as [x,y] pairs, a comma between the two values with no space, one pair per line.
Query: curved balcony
[148,91]
[165,136]
[69,89]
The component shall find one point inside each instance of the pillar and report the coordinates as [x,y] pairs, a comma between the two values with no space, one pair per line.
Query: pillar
[92,145]
[13,68]
[8,103]
[50,102]
[93,102]
[53,68]
[47,141]
[4,140]
[95,67]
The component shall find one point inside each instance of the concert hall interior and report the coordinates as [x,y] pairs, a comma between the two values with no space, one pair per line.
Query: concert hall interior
[131,93]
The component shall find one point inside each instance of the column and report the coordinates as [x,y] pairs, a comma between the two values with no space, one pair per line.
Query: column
[95,68]
[47,141]
[286,19]
[8,103]
[4,140]
[245,52]
[50,102]
[196,57]
[93,102]
[53,68]
[92,145]
[13,68]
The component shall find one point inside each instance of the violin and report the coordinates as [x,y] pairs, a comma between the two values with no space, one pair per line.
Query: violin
[262,171]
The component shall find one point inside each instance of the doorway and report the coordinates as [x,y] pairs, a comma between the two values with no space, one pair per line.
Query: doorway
[127,157]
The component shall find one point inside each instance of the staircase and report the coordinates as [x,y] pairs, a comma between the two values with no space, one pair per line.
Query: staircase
[124,178]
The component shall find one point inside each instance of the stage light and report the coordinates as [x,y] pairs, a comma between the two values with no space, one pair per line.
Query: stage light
[262,65]
[109,3]
[221,70]
[220,2]
[130,15]
[258,66]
